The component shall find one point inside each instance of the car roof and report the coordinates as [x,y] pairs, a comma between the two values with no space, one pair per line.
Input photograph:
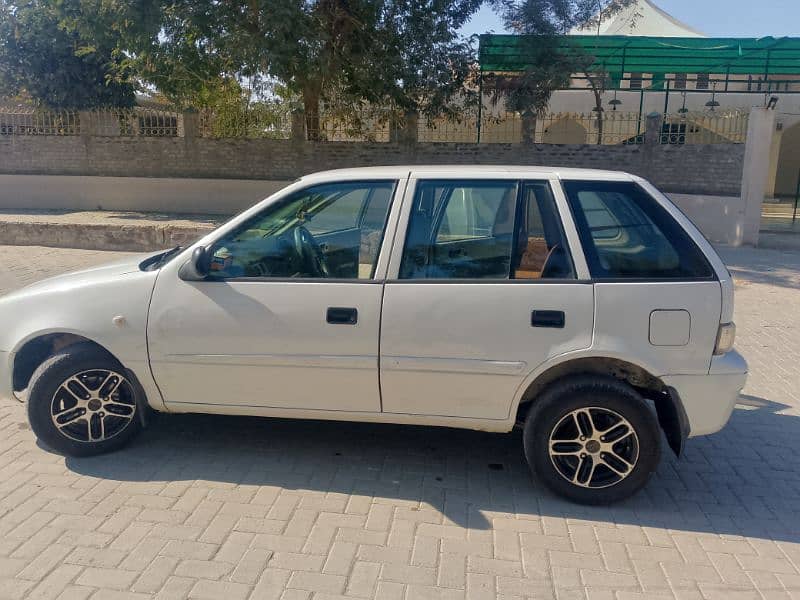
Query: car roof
[466,171]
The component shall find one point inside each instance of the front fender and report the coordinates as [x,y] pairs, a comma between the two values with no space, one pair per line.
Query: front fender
[110,311]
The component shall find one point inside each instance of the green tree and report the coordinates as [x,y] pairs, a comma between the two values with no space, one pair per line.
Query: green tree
[54,65]
[332,53]
[194,46]
[551,60]
[417,61]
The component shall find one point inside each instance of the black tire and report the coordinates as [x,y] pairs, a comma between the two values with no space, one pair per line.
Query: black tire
[46,382]
[553,414]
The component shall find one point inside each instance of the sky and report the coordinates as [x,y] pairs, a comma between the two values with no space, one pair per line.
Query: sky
[715,18]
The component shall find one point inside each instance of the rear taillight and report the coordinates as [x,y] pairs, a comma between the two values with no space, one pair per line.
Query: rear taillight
[726,335]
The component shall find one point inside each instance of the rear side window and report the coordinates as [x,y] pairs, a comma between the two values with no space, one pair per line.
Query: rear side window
[627,234]
[467,229]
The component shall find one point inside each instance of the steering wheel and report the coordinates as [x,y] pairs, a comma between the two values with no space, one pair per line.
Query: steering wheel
[310,253]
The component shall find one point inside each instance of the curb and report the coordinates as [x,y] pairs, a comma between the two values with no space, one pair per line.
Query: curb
[99,236]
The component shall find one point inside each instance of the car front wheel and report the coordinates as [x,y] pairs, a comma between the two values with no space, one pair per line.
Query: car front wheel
[81,402]
[592,439]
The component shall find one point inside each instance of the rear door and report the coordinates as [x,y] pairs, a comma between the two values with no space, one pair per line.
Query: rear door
[483,290]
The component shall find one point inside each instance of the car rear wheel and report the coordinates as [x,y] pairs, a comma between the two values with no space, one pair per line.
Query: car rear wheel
[82,402]
[592,439]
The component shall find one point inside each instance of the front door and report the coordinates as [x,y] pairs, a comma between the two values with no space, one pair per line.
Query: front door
[486,292]
[289,316]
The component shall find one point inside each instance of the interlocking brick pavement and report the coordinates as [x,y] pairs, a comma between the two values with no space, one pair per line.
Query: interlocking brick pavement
[223,507]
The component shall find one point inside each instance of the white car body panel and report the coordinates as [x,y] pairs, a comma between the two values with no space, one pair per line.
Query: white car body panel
[421,353]
[265,344]
[468,346]
[724,276]
[622,323]
[85,303]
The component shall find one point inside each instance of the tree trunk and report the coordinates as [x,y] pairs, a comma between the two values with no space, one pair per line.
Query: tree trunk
[311,110]
[529,127]
[598,107]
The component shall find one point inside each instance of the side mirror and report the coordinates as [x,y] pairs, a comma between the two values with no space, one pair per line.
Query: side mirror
[198,266]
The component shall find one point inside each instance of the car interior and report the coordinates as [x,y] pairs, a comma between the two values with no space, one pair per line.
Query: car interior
[331,233]
[477,231]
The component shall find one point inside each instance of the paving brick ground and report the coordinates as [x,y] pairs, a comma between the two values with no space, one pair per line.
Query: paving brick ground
[229,508]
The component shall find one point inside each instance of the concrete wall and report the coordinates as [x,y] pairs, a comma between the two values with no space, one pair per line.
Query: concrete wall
[756,171]
[721,218]
[695,169]
[148,194]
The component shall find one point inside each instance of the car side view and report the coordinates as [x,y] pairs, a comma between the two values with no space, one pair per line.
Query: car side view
[579,305]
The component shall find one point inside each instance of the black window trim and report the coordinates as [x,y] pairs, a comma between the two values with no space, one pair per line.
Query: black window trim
[588,249]
[362,213]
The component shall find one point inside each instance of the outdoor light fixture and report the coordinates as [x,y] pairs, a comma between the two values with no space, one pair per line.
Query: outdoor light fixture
[773,102]
[683,110]
[712,104]
[614,103]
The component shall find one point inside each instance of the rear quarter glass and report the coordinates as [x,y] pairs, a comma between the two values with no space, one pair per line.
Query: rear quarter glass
[626,234]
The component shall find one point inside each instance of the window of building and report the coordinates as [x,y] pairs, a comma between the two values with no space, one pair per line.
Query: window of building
[680,81]
[636,81]
[702,81]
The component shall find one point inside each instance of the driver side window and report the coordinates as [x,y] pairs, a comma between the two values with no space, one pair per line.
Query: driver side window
[331,230]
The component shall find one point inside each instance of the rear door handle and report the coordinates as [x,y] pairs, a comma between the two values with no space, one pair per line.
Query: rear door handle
[342,316]
[554,319]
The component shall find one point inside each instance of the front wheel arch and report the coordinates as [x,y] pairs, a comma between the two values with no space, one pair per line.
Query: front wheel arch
[37,350]
[73,379]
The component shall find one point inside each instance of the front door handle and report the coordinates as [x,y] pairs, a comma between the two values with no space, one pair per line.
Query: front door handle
[342,316]
[554,319]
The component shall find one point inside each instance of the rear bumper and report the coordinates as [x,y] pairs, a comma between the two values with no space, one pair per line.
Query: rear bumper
[708,400]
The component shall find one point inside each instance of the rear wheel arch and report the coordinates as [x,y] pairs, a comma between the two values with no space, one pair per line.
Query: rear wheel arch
[667,404]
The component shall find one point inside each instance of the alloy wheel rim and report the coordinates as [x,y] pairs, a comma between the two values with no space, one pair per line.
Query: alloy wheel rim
[594,447]
[93,406]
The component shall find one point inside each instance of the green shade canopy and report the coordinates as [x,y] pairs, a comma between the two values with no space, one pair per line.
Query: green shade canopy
[617,54]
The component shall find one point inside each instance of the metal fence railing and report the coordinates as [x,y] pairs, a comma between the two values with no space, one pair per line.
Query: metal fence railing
[603,128]
[471,125]
[111,122]
[712,127]
[245,122]
[552,128]
[361,125]
[136,122]
[25,121]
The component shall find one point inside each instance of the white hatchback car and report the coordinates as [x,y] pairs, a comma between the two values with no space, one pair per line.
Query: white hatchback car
[581,305]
